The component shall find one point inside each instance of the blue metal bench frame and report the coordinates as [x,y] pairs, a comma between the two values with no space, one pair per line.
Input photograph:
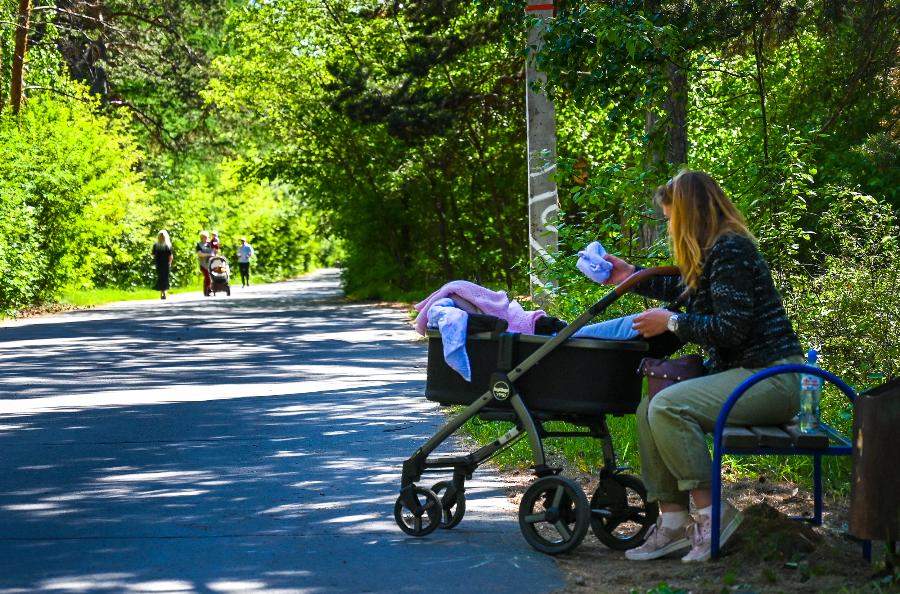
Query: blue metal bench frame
[844,449]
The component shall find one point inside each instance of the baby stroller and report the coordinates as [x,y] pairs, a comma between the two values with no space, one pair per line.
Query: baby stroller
[218,275]
[530,380]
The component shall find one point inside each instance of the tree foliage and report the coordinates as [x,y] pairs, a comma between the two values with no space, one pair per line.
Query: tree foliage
[792,105]
[397,131]
[401,121]
[72,208]
[119,145]
[148,58]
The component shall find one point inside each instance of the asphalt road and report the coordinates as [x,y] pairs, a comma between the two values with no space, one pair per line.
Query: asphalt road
[243,444]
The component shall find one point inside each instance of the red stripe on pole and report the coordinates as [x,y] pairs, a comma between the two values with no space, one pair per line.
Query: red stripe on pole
[536,7]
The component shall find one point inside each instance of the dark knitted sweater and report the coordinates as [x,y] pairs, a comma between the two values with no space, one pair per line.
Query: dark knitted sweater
[736,313]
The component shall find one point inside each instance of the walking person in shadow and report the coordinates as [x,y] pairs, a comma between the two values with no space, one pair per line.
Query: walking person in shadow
[162,259]
[204,251]
[245,253]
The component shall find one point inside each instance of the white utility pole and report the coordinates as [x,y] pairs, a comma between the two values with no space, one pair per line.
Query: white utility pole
[543,201]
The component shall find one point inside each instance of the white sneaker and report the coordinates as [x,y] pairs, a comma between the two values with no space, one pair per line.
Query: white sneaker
[701,537]
[660,542]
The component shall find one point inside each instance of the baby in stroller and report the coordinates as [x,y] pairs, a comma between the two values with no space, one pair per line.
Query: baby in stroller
[219,273]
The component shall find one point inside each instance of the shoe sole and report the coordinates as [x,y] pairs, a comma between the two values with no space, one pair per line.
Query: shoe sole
[727,531]
[669,549]
[730,528]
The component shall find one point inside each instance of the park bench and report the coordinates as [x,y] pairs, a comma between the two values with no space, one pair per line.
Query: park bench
[785,440]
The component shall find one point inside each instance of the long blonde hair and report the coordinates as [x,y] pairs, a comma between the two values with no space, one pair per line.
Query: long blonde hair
[699,213]
[162,238]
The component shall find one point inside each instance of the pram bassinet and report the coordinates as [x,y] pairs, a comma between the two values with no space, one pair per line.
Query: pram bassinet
[582,376]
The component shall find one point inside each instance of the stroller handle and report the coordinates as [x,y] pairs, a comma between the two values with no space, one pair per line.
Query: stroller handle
[623,287]
[642,275]
[586,316]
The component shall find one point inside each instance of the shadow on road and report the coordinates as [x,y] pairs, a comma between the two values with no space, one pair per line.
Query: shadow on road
[248,445]
[253,340]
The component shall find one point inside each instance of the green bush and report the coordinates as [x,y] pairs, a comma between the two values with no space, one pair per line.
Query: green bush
[72,206]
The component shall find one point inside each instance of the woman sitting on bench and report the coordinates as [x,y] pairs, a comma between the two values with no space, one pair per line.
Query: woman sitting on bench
[736,314]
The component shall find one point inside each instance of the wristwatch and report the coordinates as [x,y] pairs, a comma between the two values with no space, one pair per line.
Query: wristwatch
[672,323]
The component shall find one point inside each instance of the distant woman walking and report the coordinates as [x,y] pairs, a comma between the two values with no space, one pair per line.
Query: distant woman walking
[245,252]
[162,255]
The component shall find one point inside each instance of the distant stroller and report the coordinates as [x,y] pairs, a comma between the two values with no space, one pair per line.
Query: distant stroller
[218,276]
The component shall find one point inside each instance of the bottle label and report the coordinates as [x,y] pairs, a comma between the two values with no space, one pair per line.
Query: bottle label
[810,382]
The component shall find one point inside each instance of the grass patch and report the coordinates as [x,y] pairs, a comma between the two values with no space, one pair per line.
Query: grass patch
[92,297]
[73,298]
[586,454]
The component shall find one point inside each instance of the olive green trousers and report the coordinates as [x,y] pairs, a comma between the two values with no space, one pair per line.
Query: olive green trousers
[672,427]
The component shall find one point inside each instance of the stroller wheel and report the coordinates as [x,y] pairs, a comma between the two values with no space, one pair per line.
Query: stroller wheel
[453,504]
[421,521]
[554,515]
[228,291]
[620,515]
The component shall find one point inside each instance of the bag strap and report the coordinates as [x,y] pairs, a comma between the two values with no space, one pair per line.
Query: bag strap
[506,350]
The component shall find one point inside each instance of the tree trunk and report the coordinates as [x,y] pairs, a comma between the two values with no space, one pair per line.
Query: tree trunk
[673,147]
[2,73]
[443,230]
[761,89]
[18,66]
[648,231]
[676,110]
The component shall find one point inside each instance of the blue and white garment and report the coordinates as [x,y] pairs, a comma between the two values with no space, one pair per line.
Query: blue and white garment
[452,322]
[615,329]
[592,264]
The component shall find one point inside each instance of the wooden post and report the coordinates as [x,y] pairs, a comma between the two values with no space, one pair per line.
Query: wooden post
[543,203]
[875,486]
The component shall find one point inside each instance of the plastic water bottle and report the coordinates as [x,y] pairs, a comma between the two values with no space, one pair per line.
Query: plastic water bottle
[810,394]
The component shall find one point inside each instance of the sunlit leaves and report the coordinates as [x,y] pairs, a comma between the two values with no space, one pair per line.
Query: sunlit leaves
[74,207]
[404,124]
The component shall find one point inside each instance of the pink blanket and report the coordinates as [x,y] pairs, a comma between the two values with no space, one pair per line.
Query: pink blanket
[494,303]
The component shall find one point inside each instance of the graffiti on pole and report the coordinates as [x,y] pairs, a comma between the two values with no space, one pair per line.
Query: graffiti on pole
[543,200]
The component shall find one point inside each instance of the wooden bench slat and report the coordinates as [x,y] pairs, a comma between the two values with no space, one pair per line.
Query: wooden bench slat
[772,437]
[785,436]
[814,441]
[739,437]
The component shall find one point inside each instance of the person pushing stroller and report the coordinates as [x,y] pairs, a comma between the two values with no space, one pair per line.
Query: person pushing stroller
[204,251]
[219,273]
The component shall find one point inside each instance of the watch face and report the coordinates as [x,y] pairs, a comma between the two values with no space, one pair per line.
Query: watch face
[672,324]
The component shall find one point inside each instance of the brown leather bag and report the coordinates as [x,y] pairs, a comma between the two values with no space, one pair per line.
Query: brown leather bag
[662,373]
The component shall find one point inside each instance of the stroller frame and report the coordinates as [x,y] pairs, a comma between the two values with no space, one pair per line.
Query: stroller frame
[218,281]
[554,514]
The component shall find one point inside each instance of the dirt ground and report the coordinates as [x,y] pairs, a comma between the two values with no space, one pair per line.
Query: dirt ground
[768,553]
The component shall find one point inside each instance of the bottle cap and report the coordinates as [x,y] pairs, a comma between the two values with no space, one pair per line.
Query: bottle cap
[812,356]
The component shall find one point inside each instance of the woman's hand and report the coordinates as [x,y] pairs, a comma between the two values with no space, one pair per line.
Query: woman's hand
[620,270]
[652,322]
